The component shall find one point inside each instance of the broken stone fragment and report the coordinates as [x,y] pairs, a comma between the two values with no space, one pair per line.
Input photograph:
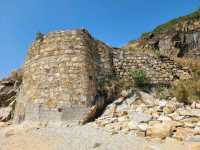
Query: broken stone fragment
[189,112]
[184,133]
[159,131]
[148,99]
[140,117]
[168,109]
[5,113]
[193,143]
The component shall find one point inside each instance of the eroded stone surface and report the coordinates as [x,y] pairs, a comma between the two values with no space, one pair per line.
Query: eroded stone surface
[60,73]
[151,121]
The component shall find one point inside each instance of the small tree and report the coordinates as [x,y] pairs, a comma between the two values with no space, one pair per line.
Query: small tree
[140,77]
[39,36]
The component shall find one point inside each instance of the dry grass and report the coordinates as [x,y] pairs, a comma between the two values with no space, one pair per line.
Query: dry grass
[187,90]
[193,64]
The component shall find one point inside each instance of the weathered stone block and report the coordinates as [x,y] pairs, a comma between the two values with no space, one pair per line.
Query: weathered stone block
[61,69]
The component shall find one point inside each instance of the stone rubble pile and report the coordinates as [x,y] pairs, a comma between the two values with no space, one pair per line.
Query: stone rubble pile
[9,88]
[143,115]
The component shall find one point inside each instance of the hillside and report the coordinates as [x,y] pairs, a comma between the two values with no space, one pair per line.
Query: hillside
[179,37]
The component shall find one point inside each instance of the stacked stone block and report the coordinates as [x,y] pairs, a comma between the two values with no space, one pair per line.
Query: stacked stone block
[61,70]
[159,70]
[60,76]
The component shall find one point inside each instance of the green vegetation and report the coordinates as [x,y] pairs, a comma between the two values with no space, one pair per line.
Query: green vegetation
[107,85]
[140,78]
[146,34]
[39,36]
[157,53]
[132,41]
[169,26]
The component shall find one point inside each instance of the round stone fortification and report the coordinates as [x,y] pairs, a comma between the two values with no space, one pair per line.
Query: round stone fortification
[59,78]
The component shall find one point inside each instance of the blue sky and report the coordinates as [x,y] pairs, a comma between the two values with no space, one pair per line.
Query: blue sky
[113,21]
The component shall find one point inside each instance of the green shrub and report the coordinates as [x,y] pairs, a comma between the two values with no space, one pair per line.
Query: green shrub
[157,53]
[162,92]
[39,36]
[132,41]
[140,78]
[145,35]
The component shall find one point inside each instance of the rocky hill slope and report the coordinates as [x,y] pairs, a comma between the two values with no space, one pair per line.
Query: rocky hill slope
[179,37]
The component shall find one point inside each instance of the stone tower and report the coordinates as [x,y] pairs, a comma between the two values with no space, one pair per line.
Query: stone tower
[59,81]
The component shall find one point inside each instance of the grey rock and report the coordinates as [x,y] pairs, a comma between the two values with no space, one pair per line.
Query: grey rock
[194,139]
[162,103]
[9,88]
[189,112]
[5,113]
[131,100]
[148,99]
[139,117]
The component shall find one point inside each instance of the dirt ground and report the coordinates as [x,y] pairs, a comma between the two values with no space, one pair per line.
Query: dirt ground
[37,137]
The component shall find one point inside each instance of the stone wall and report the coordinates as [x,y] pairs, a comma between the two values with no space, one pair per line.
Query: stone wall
[159,70]
[61,70]
[60,75]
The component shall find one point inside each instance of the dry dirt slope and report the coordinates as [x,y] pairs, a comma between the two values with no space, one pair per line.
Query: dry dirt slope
[26,137]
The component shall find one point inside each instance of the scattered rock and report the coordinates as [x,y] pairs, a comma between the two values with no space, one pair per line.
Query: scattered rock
[139,117]
[132,125]
[162,103]
[193,143]
[96,145]
[193,146]
[5,113]
[3,124]
[131,100]
[153,122]
[155,119]
[159,131]
[126,93]
[183,133]
[168,110]
[147,98]
[164,118]
[143,126]
[189,112]
[195,105]
[9,88]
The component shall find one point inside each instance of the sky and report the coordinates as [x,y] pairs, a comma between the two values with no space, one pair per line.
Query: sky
[113,21]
